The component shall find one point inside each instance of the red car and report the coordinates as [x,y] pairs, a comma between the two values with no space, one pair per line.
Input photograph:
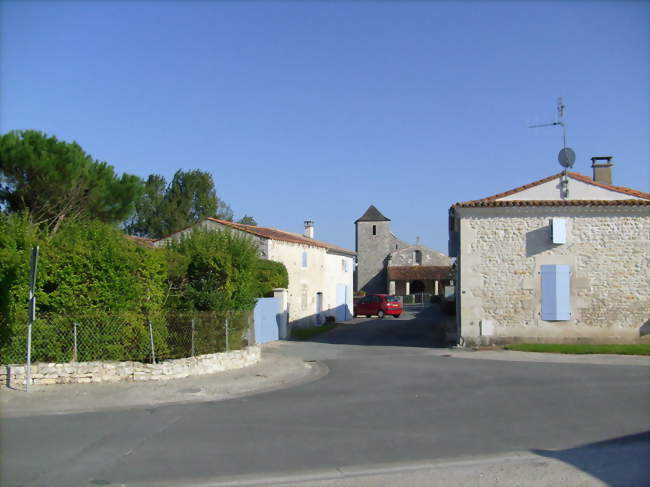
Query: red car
[378,304]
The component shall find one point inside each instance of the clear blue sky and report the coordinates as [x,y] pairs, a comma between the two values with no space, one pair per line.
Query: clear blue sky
[315,110]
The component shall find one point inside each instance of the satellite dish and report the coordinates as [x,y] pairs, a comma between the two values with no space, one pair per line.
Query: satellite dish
[566,157]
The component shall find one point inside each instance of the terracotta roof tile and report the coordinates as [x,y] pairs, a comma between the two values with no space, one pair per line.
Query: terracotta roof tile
[508,203]
[573,175]
[275,234]
[620,189]
[408,273]
[144,242]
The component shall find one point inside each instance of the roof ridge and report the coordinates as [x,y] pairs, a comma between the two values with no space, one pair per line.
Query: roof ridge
[532,203]
[611,187]
[574,175]
[265,232]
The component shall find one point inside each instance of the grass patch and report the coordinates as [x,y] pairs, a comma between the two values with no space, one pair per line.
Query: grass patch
[579,349]
[310,332]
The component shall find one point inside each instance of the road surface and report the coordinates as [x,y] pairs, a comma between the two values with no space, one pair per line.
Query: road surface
[392,398]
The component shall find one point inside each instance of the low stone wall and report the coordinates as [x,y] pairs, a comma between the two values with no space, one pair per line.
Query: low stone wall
[96,372]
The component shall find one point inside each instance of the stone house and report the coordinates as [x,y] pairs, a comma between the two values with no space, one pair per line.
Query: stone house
[320,274]
[387,264]
[560,260]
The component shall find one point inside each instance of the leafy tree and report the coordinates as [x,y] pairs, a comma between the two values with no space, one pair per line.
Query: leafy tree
[149,219]
[271,275]
[57,181]
[247,220]
[164,209]
[191,196]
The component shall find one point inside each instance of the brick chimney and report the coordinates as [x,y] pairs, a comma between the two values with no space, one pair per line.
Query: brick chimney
[602,167]
[309,229]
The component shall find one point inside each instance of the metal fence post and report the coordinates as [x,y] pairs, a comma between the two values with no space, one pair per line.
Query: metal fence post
[153,351]
[28,367]
[192,337]
[227,344]
[32,315]
[74,347]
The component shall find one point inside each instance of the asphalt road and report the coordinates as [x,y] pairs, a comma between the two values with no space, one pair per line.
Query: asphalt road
[391,397]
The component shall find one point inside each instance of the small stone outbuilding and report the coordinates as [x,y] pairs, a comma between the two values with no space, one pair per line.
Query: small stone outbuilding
[563,259]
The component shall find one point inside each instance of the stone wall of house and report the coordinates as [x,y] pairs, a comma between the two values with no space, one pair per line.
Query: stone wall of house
[96,372]
[608,252]
[304,281]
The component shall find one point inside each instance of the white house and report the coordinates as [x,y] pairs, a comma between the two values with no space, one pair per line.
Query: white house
[562,259]
[320,274]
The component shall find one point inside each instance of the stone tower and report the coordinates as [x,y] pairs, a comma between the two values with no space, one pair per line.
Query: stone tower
[373,244]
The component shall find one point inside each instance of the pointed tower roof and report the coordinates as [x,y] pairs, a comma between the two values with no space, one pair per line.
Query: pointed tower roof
[372,214]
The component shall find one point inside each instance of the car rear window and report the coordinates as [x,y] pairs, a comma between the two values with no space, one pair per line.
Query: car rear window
[392,299]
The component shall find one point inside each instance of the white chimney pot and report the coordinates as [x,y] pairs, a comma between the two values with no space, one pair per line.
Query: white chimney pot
[309,229]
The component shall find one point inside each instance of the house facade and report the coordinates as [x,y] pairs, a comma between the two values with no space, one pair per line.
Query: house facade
[564,259]
[387,264]
[320,274]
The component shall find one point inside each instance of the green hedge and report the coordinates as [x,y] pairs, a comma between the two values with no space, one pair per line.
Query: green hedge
[91,274]
[86,269]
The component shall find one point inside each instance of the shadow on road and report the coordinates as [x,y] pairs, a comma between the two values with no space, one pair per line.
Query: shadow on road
[416,327]
[620,461]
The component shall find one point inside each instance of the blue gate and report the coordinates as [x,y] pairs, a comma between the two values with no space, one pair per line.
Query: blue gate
[266,318]
[342,309]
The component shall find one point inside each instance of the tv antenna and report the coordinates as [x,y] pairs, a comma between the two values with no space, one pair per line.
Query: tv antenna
[566,156]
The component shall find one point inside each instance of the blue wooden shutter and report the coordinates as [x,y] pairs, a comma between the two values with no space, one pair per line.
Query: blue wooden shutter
[556,292]
[559,230]
[304,259]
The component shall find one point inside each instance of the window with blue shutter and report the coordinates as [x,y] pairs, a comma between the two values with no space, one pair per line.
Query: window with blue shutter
[556,292]
[304,259]
[559,230]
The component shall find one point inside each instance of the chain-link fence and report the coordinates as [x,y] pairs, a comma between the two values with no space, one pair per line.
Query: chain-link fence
[57,338]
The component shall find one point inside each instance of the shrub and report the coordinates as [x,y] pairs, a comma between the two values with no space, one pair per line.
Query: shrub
[219,272]
[86,269]
[90,267]
[90,274]
[17,237]
[270,275]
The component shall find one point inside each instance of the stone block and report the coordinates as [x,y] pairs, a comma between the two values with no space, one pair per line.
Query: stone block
[45,381]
